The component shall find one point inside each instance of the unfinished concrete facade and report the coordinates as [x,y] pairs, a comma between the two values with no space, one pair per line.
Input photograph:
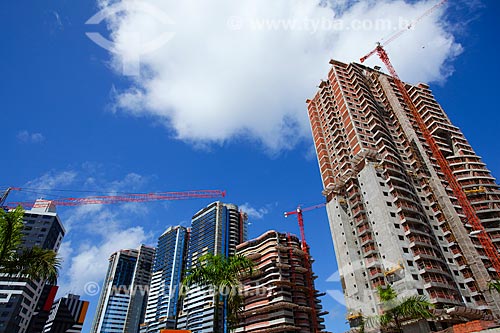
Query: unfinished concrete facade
[392,216]
[279,296]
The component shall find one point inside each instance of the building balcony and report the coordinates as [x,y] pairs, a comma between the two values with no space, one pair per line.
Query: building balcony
[358,210]
[370,252]
[366,239]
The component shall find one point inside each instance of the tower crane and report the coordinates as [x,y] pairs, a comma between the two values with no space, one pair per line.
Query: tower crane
[303,244]
[111,199]
[300,218]
[457,189]
[398,34]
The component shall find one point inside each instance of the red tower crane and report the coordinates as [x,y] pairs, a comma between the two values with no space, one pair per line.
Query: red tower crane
[111,199]
[457,189]
[300,218]
[397,34]
[303,243]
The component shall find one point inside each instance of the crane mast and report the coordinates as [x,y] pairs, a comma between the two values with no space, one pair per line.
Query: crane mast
[457,189]
[307,260]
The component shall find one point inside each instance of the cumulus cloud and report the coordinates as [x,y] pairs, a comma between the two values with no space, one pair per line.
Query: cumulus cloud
[94,232]
[101,231]
[52,180]
[90,178]
[27,137]
[90,262]
[422,54]
[130,181]
[255,213]
[243,69]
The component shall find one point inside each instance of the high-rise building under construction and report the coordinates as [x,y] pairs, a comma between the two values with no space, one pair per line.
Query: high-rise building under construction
[279,296]
[393,216]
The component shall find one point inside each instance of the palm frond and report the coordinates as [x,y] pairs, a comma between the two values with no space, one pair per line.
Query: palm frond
[494,285]
[223,274]
[39,263]
[414,307]
[396,312]
[11,225]
[386,293]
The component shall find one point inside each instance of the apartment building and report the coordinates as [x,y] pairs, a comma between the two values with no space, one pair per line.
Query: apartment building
[393,216]
[280,296]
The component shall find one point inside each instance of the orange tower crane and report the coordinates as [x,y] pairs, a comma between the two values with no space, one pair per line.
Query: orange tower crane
[397,34]
[305,249]
[457,189]
[111,199]
[300,218]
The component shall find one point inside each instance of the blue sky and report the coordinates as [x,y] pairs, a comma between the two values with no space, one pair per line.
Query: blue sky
[211,109]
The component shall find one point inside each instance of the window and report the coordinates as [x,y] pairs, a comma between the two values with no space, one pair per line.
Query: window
[405,250]
[415,276]
[410,263]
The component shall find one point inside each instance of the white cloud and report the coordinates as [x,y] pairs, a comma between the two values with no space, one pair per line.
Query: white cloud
[129,182]
[422,54]
[96,232]
[212,84]
[27,137]
[255,213]
[65,252]
[80,215]
[90,262]
[52,180]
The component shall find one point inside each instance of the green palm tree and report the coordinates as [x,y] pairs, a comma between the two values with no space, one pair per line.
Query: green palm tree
[223,274]
[35,263]
[494,285]
[397,312]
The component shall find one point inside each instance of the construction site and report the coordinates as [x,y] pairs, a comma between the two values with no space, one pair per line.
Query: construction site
[280,295]
[410,204]
[422,216]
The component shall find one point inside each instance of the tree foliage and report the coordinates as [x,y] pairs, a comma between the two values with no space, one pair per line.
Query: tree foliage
[223,274]
[16,261]
[494,285]
[398,311]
